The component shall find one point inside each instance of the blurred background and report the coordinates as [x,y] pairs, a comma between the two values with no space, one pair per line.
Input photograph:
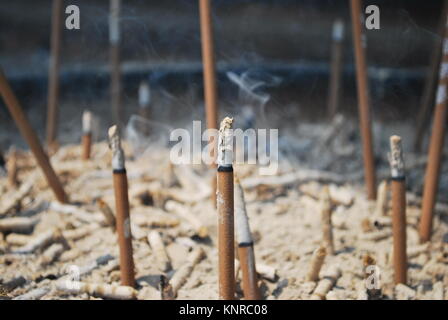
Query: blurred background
[286,44]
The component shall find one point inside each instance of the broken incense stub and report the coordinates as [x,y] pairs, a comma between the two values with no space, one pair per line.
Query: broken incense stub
[243,234]
[317,260]
[245,246]
[382,199]
[158,247]
[87,120]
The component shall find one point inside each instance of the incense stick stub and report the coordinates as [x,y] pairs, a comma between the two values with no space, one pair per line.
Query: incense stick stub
[87,122]
[243,234]
[396,158]
[398,186]
[317,260]
[117,151]
[245,246]
[225,143]
[87,125]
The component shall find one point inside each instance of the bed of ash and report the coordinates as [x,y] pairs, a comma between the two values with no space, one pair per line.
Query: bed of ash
[284,212]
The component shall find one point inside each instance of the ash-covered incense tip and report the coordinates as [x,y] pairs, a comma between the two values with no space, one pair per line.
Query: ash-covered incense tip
[113,132]
[115,146]
[225,143]
[226,123]
[396,157]
[87,119]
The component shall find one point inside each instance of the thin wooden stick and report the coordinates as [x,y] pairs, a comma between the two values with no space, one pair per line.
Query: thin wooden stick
[208,60]
[398,210]
[122,209]
[224,199]
[435,148]
[359,41]
[427,99]
[53,79]
[115,67]
[336,67]
[31,138]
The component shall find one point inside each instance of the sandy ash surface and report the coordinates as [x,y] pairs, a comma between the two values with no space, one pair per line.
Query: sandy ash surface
[284,217]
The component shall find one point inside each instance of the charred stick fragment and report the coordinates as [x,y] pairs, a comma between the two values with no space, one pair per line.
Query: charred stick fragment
[31,138]
[436,147]
[165,289]
[245,246]
[225,205]
[327,229]
[398,209]
[359,40]
[122,209]
[86,134]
